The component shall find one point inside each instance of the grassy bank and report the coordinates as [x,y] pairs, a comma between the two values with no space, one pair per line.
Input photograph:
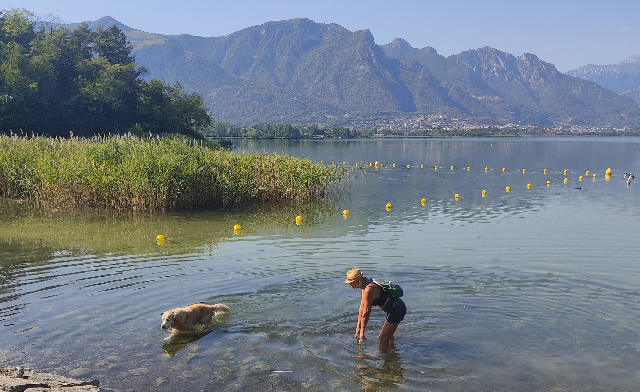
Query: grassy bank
[131,173]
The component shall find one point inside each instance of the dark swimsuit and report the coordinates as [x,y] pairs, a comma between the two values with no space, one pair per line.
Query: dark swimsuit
[395,308]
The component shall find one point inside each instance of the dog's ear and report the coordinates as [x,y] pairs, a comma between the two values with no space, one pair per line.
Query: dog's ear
[180,316]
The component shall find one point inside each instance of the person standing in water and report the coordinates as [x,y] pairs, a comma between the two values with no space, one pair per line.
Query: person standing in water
[372,294]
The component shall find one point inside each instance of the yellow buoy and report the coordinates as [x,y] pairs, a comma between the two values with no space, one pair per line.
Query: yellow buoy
[345,213]
[529,186]
[580,178]
[298,220]
[608,172]
[423,201]
[548,183]
[160,239]
[565,172]
[456,196]
[545,171]
[236,227]
[356,163]
[587,173]
[408,166]
[523,170]
[394,165]
[484,192]
[451,167]
[377,164]
[594,175]
[331,163]
[370,164]
[508,189]
[486,169]
[389,206]
[504,169]
[566,180]
[436,167]
[468,168]
[421,166]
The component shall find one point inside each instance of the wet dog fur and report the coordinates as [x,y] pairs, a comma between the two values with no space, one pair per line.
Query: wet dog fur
[185,319]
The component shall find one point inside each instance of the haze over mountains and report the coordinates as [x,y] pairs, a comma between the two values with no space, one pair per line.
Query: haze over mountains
[299,71]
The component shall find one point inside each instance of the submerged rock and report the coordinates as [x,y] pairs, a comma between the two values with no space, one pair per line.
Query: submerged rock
[17,379]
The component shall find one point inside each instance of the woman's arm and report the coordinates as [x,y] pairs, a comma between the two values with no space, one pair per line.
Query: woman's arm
[369,294]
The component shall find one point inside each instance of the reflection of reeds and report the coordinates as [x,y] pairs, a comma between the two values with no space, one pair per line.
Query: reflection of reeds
[130,173]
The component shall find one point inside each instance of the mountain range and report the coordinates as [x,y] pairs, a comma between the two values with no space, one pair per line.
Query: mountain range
[622,78]
[299,71]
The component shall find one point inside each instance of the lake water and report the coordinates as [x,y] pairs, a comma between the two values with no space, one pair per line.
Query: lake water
[531,290]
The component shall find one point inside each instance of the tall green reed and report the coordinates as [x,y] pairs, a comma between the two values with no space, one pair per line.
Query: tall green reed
[152,174]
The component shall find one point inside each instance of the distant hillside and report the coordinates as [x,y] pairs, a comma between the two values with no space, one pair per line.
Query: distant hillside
[623,78]
[300,71]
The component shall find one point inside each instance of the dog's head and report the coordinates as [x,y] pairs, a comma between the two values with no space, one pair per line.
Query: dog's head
[170,318]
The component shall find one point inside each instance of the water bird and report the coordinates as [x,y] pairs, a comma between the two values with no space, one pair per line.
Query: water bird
[628,177]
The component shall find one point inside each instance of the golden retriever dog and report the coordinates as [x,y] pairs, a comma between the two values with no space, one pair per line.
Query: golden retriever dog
[186,319]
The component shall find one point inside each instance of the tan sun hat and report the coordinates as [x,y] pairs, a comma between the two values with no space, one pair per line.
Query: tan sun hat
[353,275]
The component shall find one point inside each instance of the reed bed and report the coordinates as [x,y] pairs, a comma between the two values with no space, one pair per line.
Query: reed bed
[152,174]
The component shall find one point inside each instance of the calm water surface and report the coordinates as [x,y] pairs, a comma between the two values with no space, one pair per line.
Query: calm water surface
[531,290]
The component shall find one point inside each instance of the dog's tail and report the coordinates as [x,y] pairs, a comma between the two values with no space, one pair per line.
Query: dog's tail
[221,308]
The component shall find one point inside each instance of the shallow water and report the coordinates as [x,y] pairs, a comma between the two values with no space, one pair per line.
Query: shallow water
[535,289]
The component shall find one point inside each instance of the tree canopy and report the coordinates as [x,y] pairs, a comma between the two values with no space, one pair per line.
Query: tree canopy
[55,80]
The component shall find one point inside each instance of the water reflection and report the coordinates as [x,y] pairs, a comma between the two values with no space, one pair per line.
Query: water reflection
[383,370]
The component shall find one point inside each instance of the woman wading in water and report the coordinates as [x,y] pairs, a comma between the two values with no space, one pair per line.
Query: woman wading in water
[372,294]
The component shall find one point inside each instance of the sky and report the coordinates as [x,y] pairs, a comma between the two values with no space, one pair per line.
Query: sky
[566,33]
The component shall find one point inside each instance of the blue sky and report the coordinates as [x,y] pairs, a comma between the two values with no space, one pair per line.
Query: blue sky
[567,33]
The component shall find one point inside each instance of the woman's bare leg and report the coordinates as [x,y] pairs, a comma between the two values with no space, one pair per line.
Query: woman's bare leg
[386,334]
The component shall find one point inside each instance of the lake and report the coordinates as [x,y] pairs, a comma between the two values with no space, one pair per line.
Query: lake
[535,289]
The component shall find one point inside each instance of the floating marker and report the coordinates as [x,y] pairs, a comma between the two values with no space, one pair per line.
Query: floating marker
[565,172]
[408,166]
[529,186]
[370,164]
[486,169]
[322,162]
[345,213]
[356,163]
[423,201]
[468,168]
[545,171]
[608,172]
[377,164]
[298,220]
[523,170]
[394,165]
[451,167]
[436,167]
[389,205]
[508,189]
[503,169]
[566,180]
[548,183]
[160,239]
[484,192]
[456,196]
[421,166]
[594,175]
[587,173]
[237,227]
[331,163]
[580,178]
